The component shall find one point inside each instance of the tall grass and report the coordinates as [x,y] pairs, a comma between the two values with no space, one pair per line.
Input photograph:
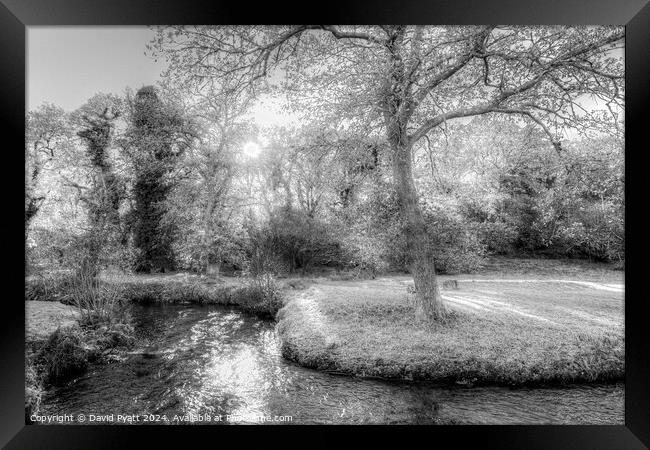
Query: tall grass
[96,301]
[260,295]
[49,287]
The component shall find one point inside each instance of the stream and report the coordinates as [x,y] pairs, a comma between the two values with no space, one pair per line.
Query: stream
[214,365]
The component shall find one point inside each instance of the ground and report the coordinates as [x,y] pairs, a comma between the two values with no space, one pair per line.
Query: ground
[42,318]
[521,322]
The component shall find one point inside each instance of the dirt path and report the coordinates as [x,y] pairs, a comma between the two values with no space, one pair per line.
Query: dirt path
[611,287]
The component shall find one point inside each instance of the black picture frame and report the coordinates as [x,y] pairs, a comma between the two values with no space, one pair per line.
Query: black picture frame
[16,15]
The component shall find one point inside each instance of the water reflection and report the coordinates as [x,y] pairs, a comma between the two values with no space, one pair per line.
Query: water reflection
[209,360]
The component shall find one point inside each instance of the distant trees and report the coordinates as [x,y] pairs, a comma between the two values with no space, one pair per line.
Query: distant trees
[205,203]
[520,196]
[48,135]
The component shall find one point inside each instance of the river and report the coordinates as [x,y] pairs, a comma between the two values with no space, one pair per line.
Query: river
[215,365]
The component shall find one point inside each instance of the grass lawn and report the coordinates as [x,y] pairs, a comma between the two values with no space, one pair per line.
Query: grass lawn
[533,327]
[42,318]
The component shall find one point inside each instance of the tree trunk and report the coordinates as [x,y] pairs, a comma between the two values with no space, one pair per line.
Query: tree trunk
[428,304]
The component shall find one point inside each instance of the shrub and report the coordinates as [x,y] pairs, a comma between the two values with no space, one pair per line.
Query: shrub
[456,243]
[498,237]
[64,355]
[47,248]
[96,301]
[111,335]
[169,291]
[293,240]
[261,296]
[366,254]
[604,231]
[380,243]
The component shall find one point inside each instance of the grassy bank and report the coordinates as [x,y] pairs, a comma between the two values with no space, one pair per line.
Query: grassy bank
[509,332]
[61,342]
[62,339]
[259,296]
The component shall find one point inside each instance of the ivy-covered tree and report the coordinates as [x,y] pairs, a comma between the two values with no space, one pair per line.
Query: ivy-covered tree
[156,139]
[106,191]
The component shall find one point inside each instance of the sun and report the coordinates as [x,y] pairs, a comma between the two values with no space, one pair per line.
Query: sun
[251,149]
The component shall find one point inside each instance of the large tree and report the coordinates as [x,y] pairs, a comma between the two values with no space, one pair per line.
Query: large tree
[409,80]
[158,136]
[104,196]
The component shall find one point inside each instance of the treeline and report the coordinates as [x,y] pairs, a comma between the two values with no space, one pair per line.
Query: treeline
[103,173]
[490,187]
[148,183]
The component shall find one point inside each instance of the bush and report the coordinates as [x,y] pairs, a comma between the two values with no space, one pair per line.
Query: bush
[111,335]
[152,291]
[377,241]
[456,243]
[261,296]
[596,231]
[64,355]
[225,248]
[96,301]
[292,240]
[366,254]
[498,237]
[47,248]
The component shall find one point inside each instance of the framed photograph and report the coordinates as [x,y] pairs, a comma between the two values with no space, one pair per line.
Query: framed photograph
[231,218]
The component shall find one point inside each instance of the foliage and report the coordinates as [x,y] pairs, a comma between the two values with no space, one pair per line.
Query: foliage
[33,388]
[97,302]
[457,246]
[455,239]
[366,253]
[260,296]
[292,240]
[64,354]
[156,181]
[521,196]
[498,237]
[49,287]
[48,137]
[155,141]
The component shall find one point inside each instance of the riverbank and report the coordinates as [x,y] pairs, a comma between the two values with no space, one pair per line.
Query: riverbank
[42,318]
[518,322]
[221,362]
[509,330]
[257,296]
[60,342]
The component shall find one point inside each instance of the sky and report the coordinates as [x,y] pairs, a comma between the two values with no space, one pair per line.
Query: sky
[66,65]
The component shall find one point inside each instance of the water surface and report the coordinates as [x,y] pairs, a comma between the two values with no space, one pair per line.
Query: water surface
[216,365]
